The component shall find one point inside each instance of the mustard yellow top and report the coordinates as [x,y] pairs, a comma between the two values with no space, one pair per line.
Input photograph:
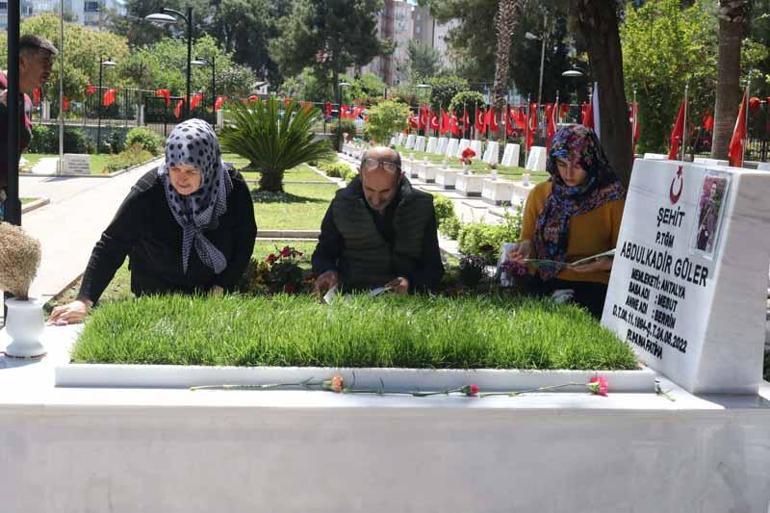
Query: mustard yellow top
[589,233]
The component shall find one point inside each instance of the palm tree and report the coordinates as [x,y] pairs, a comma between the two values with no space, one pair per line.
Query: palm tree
[273,140]
[508,12]
[733,22]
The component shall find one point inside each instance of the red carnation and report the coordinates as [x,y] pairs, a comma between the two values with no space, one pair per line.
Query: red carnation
[598,385]
[287,251]
[471,390]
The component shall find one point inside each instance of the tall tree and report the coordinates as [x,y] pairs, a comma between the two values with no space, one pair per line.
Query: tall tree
[424,60]
[508,12]
[597,22]
[733,24]
[328,36]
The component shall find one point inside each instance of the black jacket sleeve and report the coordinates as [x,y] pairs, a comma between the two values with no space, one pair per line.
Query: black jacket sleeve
[243,236]
[111,249]
[330,246]
[430,268]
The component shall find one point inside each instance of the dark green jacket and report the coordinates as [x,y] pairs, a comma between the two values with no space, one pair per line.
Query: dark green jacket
[368,257]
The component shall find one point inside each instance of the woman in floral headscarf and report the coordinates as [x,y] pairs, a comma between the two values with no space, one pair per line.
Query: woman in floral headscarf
[573,215]
[187,227]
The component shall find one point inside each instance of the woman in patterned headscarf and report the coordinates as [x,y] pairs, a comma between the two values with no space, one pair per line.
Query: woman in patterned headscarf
[187,227]
[573,215]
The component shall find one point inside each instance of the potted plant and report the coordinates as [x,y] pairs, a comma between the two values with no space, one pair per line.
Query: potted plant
[19,260]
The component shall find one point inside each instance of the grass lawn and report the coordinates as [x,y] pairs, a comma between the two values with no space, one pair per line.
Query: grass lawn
[479,167]
[300,207]
[358,331]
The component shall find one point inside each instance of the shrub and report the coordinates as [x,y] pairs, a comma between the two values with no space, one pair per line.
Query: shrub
[347,126]
[485,239]
[132,156]
[450,227]
[338,170]
[471,270]
[386,118]
[45,139]
[146,138]
[117,141]
[444,208]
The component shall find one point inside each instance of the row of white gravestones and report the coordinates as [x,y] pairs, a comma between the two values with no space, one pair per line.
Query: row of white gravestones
[491,153]
[511,155]
[688,287]
[451,148]
[431,146]
[419,143]
[536,159]
[442,144]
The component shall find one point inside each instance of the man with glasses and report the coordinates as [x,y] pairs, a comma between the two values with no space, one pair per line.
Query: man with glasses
[36,55]
[379,232]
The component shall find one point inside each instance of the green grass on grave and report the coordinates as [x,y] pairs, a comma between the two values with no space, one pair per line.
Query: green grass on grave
[358,331]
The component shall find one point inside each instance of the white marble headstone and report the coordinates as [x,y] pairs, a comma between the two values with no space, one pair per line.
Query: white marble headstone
[392,141]
[464,143]
[76,164]
[711,162]
[410,141]
[442,144]
[401,139]
[476,146]
[763,166]
[688,288]
[419,143]
[492,152]
[431,146]
[536,158]
[511,155]
[655,156]
[451,148]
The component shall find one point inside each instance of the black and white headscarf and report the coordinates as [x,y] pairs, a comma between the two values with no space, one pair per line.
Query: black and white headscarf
[194,142]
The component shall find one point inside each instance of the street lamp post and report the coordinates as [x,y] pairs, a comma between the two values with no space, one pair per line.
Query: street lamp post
[102,64]
[543,37]
[575,73]
[213,62]
[339,113]
[166,16]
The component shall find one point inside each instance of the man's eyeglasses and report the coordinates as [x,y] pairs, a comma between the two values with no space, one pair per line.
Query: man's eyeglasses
[371,164]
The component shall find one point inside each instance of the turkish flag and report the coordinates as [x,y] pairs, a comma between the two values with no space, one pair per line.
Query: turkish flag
[480,120]
[109,97]
[633,112]
[65,103]
[509,121]
[754,104]
[196,100]
[490,120]
[36,93]
[454,125]
[677,134]
[219,102]
[424,118]
[708,121]
[738,140]
[91,89]
[551,111]
[164,93]
[532,125]
[587,111]
[563,110]
[465,122]
[178,109]
[444,123]
[434,121]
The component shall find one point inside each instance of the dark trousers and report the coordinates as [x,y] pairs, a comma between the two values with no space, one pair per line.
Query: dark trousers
[589,295]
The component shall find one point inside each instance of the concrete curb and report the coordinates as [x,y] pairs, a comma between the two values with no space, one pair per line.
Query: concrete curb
[34,205]
[106,175]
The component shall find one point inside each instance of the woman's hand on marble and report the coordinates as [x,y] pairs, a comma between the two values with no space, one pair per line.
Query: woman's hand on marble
[70,313]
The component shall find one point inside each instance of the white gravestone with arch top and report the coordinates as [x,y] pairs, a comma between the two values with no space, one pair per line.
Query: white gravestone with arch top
[511,155]
[536,158]
[431,146]
[492,153]
[688,288]
[442,144]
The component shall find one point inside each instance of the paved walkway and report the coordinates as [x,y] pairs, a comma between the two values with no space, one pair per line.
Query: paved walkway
[70,225]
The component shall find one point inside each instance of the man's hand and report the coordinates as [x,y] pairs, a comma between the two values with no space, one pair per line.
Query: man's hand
[399,285]
[324,282]
[599,265]
[70,313]
[522,251]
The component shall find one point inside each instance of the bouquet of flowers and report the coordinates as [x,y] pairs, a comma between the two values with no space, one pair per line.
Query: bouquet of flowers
[467,156]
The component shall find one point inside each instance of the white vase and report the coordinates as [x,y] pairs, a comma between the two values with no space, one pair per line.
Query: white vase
[25,324]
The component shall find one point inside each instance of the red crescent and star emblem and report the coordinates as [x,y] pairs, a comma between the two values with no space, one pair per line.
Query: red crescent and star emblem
[674,196]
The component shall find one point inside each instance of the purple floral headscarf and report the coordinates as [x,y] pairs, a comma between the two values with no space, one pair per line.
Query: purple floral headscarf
[572,143]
